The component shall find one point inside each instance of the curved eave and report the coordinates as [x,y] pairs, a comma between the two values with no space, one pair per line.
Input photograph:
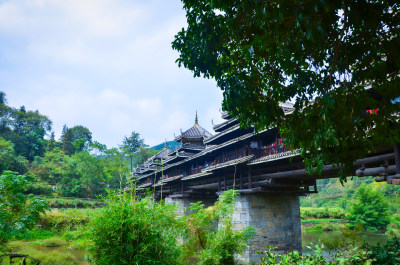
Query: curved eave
[225,125]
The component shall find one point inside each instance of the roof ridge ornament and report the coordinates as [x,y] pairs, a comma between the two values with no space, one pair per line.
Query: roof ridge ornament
[196,120]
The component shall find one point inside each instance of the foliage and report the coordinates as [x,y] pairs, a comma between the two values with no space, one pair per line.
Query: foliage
[314,255]
[34,234]
[323,212]
[370,209]
[19,212]
[75,139]
[25,129]
[320,54]
[387,254]
[9,160]
[131,145]
[209,237]
[128,231]
[325,226]
[59,220]
[73,203]
[53,242]
[49,257]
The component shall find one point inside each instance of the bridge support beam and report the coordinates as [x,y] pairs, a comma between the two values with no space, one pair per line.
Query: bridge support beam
[276,219]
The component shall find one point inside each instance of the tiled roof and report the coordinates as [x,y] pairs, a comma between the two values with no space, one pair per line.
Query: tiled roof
[195,132]
[162,154]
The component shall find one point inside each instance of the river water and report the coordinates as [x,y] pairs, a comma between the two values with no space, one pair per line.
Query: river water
[371,238]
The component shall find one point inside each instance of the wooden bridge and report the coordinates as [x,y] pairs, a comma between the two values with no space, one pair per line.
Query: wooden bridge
[267,175]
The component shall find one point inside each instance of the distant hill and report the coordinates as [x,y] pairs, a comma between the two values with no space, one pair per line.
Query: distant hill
[171,145]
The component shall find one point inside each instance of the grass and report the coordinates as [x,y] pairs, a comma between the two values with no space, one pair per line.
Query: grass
[322,227]
[35,234]
[53,242]
[60,220]
[51,251]
[318,221]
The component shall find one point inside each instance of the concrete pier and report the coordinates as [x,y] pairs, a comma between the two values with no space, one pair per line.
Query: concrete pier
[276,219]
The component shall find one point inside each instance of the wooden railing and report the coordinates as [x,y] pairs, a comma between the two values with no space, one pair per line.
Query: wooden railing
[269,150]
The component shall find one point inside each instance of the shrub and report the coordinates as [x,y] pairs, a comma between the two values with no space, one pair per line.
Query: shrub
[53,242]
[325,227]
[128,231]
[324,212]
[388,254]
[370,209]
[207,243]
[67,219]
[19,212]
[34,234]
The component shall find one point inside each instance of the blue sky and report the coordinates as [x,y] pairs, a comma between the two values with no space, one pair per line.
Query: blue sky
[104,64]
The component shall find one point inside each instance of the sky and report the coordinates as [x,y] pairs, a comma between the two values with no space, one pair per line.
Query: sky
[105,64]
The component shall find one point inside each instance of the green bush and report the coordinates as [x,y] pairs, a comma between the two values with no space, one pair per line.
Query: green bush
[34,234]
[388,254]
[39,188]
[133,232]
[324,212]
[19,212]
[73,203]
[370,209]
[206,243]
[64,219]
[53,242]
[325,227]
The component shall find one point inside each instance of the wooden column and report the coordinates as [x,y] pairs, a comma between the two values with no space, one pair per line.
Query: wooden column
[397,157]
[219,183]
[241,179]
[249,179]
[225,184]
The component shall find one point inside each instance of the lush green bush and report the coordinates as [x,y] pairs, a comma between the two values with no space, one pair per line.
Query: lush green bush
[325,212]
[73,203]
[388,254]
[39,188]
[129,231]
[370,209]
[19,212]
[34,234]
[207,243]
[53,242]
[58,220]
[325,227]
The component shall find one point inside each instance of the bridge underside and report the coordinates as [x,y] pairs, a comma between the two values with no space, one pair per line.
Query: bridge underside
[268,193]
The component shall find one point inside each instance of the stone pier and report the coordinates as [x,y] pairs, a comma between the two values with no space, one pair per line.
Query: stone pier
[276,219]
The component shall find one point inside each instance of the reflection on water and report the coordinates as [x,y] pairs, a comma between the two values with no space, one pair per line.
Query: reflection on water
[371,238]
[79,254]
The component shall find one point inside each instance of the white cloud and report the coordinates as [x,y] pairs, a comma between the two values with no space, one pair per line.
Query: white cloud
[104,64]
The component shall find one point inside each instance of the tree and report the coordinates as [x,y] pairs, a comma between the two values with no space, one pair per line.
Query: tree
[133,231]
[26,129]
[370,209]
[9,160]
[131,145]
[142,155]
[334,59]
[75,139]
[19,212]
